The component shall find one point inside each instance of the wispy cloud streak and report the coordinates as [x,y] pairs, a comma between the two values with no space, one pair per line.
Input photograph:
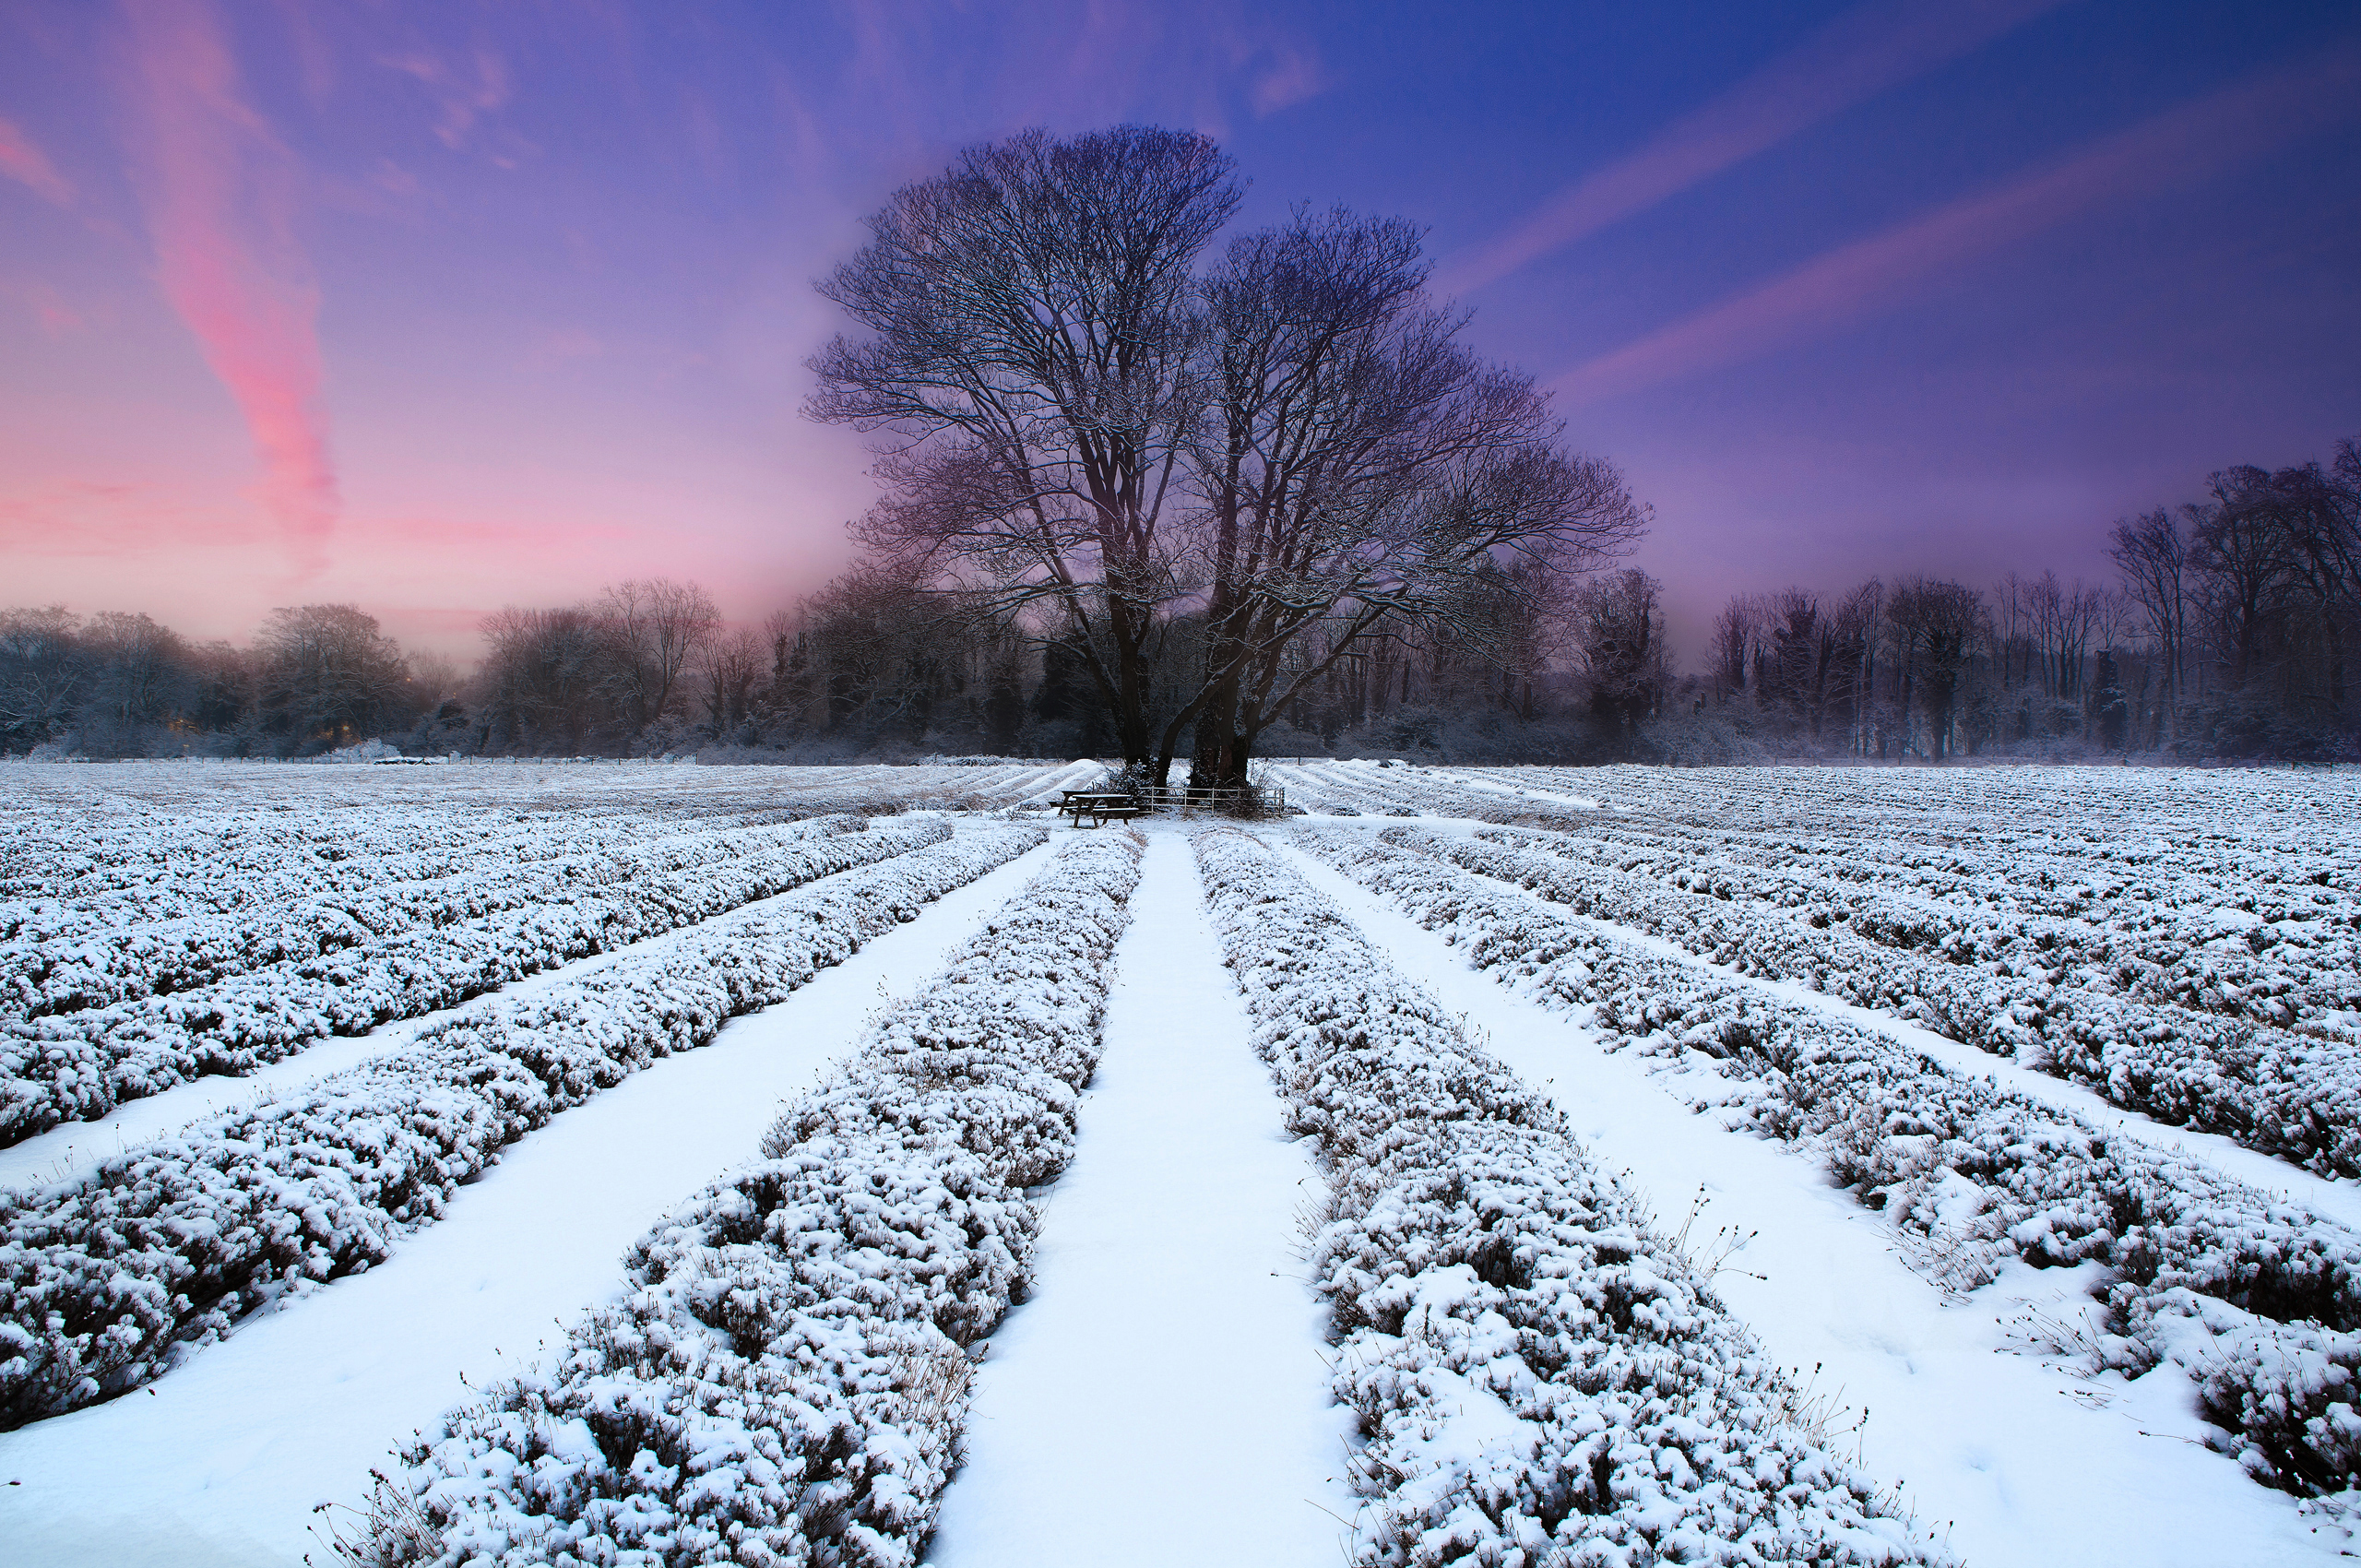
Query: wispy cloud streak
[2181,145]
[22,162]
[218,190]
[1861,53]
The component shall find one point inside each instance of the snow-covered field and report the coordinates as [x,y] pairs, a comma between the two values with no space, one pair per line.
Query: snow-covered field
[646,1164]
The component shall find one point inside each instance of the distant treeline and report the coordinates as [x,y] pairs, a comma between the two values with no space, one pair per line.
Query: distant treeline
[2230,633]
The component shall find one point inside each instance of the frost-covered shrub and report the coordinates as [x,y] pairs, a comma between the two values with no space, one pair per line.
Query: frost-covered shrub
[2284,1094]
[2281,954]
[1538,1377]
[784,1379]
[398,953]
[106,1281]
[2291,1401]
[2196,1263]
[84,865]
[196,924]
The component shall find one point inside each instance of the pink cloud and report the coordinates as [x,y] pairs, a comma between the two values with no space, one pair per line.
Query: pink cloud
[218,188]
[81,519]
[2180,145]
[56,317]
[1861,53]
[22,162]
[567,343]
[1293,77]
[462,96]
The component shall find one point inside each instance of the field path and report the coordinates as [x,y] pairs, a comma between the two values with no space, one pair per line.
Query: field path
[2033,1465]
[1164,1396]
[221,1461]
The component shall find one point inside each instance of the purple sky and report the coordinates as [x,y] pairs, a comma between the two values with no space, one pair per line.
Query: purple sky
[437,307]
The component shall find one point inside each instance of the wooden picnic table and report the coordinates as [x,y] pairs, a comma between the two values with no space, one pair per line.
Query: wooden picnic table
[1101,808]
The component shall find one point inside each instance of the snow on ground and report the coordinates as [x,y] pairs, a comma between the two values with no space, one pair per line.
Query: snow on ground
[2026,1463]
[222,1461]
[1170,1354]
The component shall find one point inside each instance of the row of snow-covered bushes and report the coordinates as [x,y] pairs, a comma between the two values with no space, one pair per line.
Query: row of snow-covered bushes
[2074,842]
[1539,1376]
[1352,789]
[2118,832]
[107,1279]
[56,957]
[439,953]
[2256,1297]
[104,863]
[784,1379]
[2283,1094]
[2092,870]
[2294,953]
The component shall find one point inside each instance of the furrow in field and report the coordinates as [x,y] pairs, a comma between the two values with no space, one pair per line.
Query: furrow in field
[2248,1294]
[1536,1371]
[108,1282]
[787,1368]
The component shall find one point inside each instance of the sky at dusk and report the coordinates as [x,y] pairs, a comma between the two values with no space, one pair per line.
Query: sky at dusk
[436,307]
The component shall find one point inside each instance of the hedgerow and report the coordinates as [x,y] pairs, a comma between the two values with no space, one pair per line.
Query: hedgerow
[345,966]
[2284,1094]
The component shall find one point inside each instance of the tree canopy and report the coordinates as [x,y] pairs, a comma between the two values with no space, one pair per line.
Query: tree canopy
[1256,466]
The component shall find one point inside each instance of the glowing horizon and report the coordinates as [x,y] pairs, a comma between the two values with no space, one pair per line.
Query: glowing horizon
[434,313]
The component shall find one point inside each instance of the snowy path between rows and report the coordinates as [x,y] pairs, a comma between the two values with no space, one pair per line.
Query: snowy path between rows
[221,1461]
[2029,1465]
[1163,1399]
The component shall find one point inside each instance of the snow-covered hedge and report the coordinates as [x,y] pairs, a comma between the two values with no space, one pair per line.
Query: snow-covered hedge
[2063,840]
[2283,1094]
[102,865]
[439,947]
[2256,1297]
[785,1380]
[58,961]
[1540,1377]
[105,1281]
[2284,954]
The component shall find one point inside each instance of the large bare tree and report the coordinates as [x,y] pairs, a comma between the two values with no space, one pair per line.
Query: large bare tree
[649,632]
[327,674]
[1937,626]
[1357,466]
[1076,421]
[1031,363]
